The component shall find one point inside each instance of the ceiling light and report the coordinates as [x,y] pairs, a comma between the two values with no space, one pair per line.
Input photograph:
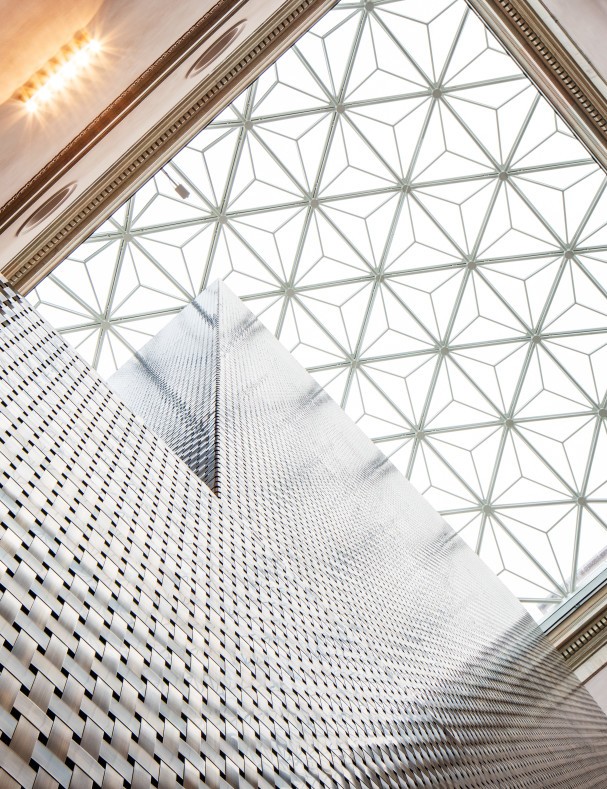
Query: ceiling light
[68,64]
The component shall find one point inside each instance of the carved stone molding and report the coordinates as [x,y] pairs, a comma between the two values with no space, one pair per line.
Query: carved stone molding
[550,62]
[115,111]
[523,31]
[583,631]
[155,148]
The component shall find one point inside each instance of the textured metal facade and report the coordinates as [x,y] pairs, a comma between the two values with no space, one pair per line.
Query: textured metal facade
[312,623]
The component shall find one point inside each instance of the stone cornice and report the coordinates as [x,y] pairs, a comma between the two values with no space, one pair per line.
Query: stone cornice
[550,59]
[156,147]
[538,47]
[583,631]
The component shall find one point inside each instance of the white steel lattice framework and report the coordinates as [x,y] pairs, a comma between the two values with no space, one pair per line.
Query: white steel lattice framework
[410,217]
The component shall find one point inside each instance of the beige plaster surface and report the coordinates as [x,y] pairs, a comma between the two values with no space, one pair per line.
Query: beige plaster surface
[133,35]
[585,23]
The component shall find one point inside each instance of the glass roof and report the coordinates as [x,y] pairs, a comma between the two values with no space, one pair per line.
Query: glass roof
[400,205]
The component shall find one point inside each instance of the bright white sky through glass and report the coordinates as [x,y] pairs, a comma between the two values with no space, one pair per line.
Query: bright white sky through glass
[409,216]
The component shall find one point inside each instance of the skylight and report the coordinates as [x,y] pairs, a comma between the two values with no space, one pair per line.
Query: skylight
[400,205]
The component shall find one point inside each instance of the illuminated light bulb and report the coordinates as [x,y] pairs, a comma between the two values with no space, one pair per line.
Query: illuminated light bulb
[62,69]
[43,95]
[55,83]
[81,58]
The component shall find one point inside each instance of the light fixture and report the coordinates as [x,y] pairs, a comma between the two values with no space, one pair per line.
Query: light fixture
[216,49]
[46,209]
[181,190]
[68,64]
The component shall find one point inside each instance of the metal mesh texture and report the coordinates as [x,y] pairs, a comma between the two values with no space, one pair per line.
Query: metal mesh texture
[398,587]
[181,410]
[314,624]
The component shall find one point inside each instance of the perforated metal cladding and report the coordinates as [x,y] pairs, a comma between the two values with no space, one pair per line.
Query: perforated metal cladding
[181,410]
[419,667]
[140,645]
[315,625]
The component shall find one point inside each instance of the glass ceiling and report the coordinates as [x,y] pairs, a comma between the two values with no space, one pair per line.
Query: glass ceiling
[400,205]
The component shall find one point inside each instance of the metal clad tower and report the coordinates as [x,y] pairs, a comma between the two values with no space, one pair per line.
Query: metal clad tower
[291,614]
[423,651]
